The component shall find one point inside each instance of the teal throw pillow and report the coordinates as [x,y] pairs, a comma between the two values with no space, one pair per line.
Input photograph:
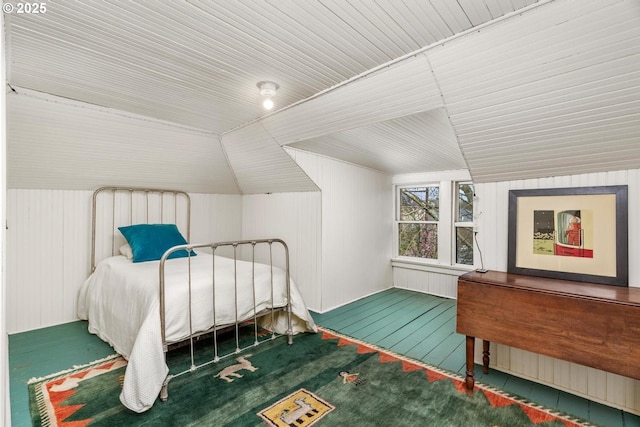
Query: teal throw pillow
[149,241]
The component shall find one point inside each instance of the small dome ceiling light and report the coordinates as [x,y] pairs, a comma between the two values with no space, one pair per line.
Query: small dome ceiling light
[268,91]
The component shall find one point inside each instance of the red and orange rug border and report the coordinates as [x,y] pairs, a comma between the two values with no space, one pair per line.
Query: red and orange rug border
[52,413]
[49,401]
[537,413]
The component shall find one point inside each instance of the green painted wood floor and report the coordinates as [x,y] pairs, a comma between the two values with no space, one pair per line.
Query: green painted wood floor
[414,324]
[46,351]
[423,327]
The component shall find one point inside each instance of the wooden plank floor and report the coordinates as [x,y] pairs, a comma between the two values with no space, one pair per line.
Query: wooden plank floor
[423,327]
[45,351]
[410,323]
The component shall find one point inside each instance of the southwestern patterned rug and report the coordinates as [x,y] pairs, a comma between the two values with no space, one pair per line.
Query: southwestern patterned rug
[324,379]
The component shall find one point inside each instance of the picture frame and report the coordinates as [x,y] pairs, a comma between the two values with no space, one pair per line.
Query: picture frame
[578,234]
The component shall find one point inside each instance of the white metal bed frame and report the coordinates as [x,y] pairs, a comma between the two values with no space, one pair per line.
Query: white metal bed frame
[145,194]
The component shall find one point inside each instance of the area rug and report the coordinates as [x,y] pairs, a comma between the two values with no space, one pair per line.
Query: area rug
[323,379]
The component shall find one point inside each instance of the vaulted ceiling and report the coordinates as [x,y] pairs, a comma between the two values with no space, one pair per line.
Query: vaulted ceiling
[506,88]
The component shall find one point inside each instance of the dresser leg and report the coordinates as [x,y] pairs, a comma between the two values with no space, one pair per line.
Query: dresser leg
[469,380]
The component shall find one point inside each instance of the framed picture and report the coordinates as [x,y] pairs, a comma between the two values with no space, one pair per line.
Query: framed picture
[570,233]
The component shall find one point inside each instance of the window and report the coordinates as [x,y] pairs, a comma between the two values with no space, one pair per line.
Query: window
[435,222]
[463,224]
[418,222]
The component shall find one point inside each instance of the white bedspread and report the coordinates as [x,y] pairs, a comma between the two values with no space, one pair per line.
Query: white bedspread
[121,302]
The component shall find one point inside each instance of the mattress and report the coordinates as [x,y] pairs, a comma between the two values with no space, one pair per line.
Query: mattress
[121,302]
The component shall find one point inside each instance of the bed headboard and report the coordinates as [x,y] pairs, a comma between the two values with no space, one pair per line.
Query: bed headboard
[113,207]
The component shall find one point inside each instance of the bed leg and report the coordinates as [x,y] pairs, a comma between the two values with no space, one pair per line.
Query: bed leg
[290,337]
[164,391]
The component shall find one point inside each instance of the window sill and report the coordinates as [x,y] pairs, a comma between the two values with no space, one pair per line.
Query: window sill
[411,264]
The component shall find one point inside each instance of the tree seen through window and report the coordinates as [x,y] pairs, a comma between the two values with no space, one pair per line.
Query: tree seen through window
[418,227]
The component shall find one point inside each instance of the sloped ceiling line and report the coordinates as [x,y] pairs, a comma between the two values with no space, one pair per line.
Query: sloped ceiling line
[364,122]
[402,89]
[309,182]
[226,157]
[576,86]
[261,165]
[446,110]
[531,113]
[55,99]
[393,62]
[332,122]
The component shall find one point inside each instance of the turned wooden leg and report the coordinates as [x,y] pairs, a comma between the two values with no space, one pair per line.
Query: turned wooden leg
[469,380]
[485,356]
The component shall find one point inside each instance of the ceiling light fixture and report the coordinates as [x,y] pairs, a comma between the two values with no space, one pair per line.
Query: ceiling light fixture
[268,91]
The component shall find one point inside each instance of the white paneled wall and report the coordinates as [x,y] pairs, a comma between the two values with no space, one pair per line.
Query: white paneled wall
[294,218]
[441,283]
[493,203]
[48,249]
[492,210]
[215,217]
[339,239]
[48,235]
[356,229]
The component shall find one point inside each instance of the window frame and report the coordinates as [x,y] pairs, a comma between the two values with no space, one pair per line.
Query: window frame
[446,224]
[461,224]
[398,221]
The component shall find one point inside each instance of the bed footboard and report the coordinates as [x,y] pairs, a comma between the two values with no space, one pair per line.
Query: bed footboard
[240,293]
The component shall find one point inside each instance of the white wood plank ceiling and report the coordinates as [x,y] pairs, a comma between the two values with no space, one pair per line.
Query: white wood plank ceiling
[559,95]
[197,62]
[519,83]
[410,144]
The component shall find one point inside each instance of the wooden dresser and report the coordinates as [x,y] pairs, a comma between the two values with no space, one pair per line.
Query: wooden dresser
[585,323]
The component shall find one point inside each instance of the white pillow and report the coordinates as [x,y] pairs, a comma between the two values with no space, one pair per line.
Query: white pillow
[126,251]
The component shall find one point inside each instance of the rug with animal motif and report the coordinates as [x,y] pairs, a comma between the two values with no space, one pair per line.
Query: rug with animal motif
[323,379]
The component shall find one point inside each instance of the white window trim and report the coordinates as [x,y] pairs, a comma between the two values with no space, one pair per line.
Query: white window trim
[396,219]
[456,224]
[446,237]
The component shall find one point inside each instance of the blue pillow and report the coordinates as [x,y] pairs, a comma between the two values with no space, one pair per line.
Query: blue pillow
[149,241]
